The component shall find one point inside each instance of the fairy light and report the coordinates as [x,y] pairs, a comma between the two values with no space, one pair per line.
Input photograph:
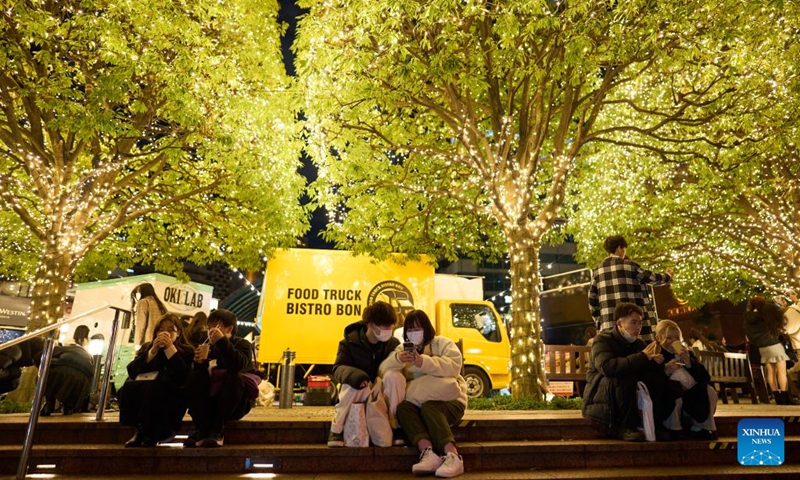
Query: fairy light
[409,80]
[143,167]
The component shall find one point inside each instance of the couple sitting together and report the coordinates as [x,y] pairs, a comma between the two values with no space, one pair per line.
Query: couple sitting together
[683,402]
[423,387]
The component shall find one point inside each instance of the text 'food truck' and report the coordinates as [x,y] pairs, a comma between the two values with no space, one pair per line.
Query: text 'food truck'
[310,296]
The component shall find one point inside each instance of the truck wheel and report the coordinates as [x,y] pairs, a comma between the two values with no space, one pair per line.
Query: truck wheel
[478,384]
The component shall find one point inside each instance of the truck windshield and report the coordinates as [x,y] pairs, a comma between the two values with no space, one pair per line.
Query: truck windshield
[478,317]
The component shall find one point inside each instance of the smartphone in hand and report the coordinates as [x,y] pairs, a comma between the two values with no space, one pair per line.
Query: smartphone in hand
[408,346]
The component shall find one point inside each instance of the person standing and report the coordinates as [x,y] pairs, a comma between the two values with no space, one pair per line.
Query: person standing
[148,311]
[617,280]
[763,323]
[791,315]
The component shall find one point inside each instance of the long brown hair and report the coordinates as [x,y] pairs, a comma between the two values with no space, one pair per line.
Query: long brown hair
[181,343]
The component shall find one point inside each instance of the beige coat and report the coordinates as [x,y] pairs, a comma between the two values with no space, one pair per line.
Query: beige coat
[441,363]
[147,316]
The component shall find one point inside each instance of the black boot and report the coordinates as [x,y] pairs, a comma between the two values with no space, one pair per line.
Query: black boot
[47,409]
[136,440]
[779,398]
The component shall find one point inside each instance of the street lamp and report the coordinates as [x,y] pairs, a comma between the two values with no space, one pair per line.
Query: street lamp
[96,345]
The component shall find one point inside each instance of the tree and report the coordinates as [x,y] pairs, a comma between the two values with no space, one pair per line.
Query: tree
[452,127]
[150,131]
[724,211]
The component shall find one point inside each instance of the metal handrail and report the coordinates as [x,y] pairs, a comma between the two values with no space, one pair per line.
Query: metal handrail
[50,327]
[44,369]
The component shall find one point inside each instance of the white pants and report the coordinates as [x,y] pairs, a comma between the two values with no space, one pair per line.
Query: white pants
[394,390]
[674,420]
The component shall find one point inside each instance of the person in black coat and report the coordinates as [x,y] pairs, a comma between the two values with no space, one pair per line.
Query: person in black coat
[69,380]
[617,364]
[13,359]
[365,345]
[153,399]
[216,390]
[680,390]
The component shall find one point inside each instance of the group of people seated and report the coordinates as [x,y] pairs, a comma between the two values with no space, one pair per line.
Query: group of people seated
[172,373]
[678,385]
[421,381]
[71,371]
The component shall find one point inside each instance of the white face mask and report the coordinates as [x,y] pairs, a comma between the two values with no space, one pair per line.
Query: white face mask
[416,337]
[137,296]
[627,336]
[382,335]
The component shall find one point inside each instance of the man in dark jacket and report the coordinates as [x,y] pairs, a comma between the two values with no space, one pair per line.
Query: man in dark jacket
[216,392]
[617,364]
[364,346]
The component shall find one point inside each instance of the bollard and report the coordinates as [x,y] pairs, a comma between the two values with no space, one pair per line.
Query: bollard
[287,380]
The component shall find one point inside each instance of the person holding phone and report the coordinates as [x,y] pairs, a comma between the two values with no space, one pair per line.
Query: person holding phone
[436,395]
[683,401]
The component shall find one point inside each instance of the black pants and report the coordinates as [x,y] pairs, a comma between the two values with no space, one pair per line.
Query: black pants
[210,413]
[155,408]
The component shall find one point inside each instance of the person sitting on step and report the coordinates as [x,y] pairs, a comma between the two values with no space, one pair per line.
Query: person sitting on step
[680,391]
[216,391]
[616,365]
[153,399]
[365,345]
[436,395]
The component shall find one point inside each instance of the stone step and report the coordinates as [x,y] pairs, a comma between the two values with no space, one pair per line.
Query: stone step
[82,429]
[293,458]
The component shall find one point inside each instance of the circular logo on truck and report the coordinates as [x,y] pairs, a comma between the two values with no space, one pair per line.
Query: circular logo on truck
[395,294]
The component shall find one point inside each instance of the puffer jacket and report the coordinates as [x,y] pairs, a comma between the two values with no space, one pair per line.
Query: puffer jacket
[612,358]
[441,360]
[356,359]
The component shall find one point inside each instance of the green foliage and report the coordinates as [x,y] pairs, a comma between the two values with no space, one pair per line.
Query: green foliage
[451,127]
[10,406]
[505,402]
[150,131]
[715,198]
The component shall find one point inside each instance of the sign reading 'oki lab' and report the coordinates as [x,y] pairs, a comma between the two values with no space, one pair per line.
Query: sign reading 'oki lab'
[760,441]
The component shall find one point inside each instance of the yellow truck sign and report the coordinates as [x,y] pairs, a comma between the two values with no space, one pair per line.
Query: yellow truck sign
[309,296]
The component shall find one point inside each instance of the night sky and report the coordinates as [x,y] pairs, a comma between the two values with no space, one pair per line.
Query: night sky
[288,13]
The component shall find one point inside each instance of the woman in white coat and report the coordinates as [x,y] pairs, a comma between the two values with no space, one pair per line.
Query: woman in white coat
[436,395]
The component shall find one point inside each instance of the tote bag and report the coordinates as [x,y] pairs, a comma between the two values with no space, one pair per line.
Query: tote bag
[380,430]
[355,427]
[646,411]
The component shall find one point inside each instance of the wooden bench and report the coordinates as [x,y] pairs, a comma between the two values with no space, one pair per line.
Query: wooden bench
[567,363]
[729,371]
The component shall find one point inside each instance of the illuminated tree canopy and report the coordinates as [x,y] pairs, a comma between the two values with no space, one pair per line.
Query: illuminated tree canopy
[724,211]
[452,127]
[150,131]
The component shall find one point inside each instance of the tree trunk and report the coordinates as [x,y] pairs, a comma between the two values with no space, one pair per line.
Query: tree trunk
[47,306]
[527,375]
[50,288]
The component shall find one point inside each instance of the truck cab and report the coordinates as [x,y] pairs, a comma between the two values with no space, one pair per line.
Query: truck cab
[485,344]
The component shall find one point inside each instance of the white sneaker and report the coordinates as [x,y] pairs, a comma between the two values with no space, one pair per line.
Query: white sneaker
[452,466]
[428,463]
